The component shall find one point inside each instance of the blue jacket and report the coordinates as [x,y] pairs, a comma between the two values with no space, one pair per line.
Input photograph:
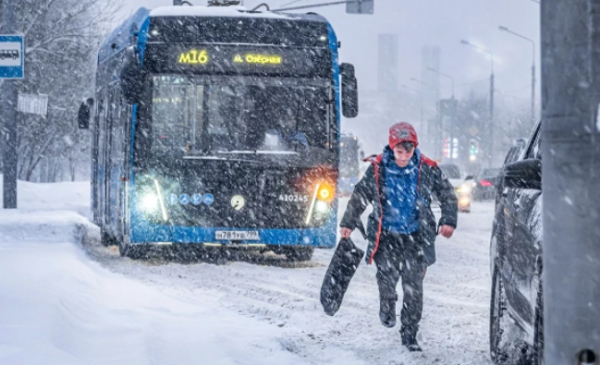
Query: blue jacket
[399,202]
[370,190]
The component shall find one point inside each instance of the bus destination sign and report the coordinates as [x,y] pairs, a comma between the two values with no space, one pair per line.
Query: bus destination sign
[244,60]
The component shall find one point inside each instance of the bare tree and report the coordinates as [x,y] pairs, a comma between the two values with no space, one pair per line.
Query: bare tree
[61,38]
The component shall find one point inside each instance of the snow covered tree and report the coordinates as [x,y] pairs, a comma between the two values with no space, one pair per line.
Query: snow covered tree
[61,40]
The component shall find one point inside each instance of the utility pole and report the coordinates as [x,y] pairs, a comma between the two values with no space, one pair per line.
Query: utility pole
[571,163]
[9,116]
[505,29]
[491,126]
[533,91]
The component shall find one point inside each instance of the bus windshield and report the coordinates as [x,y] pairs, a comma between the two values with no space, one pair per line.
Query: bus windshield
[197,117]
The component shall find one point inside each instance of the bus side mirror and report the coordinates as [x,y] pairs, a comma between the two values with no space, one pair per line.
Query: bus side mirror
[83,116]
[349,91]
[132,77]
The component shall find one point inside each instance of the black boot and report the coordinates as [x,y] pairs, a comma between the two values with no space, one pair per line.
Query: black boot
[410,341]
[387,312]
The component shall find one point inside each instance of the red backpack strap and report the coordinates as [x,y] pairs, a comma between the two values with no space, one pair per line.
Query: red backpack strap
[429,162]
[374,159]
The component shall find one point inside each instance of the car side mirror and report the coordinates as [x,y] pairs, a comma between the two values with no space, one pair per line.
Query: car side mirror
[349,91]
[526,174]
[83,116]
[470,177]
[132,77]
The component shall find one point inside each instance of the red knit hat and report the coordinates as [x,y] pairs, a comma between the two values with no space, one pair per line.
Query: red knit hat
[403,132]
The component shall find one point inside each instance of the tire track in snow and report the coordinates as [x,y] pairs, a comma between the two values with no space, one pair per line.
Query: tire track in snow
[453,329]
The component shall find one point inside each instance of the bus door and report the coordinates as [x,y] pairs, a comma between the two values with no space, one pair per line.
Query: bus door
[103,133]
[94,173]
[127,115]
[115,172]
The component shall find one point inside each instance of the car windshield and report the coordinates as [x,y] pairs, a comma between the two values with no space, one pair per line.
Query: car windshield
[489,173]
[451,171]
[194,117]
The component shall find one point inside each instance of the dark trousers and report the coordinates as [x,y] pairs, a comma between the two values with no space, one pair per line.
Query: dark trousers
[400,255]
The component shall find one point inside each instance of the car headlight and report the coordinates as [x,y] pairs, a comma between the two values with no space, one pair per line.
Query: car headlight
[464,189]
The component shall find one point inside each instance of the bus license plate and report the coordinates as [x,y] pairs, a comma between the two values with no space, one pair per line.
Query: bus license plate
[237,235]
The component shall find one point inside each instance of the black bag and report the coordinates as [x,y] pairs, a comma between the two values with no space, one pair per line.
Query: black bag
[343,265]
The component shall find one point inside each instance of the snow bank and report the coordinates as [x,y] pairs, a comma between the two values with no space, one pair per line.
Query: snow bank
[60,307]
[73,196]
[47,212]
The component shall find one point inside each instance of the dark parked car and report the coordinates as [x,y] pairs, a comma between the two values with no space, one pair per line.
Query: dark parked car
[512,155]
[485,184]
[516,310]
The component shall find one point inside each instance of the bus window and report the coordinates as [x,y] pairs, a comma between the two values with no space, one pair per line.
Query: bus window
[193,117]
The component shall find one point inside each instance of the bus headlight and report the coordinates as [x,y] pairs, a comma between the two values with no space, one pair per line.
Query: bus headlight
[322,210]
[322,207]
[320,204]
[149,203]
[151,200]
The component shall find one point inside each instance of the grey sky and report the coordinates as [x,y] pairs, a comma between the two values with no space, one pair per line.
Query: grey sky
[440,23]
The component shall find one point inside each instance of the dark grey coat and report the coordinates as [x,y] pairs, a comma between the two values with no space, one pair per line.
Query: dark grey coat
[370,189]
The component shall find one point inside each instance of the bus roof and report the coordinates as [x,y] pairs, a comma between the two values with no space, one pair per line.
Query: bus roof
[122,36]
[218,11]
[229,11]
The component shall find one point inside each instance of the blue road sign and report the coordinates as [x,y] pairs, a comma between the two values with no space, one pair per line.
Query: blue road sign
[173,198]
[12,57]
[209,199]
[197,199]
[184,199]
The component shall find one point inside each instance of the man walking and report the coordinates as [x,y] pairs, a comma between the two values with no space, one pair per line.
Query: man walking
[401,229]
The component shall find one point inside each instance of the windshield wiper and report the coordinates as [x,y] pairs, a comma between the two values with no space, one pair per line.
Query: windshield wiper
[257,152]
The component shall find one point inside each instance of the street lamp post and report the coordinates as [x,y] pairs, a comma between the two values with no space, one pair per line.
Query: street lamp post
[491,121]
[453,119]
[505,29]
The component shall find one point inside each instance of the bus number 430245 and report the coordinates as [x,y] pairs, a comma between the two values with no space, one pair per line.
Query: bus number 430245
[293,198]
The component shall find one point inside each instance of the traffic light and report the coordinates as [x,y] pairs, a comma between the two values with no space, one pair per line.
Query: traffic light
[473,149]
[446,148]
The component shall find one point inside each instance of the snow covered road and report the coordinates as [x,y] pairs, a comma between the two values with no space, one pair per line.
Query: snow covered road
[68,303]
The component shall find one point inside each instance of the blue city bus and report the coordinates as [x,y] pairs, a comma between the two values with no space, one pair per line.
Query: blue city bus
[351,155]
[218,125]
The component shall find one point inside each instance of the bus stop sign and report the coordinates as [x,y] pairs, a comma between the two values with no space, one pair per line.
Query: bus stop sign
[12,59]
